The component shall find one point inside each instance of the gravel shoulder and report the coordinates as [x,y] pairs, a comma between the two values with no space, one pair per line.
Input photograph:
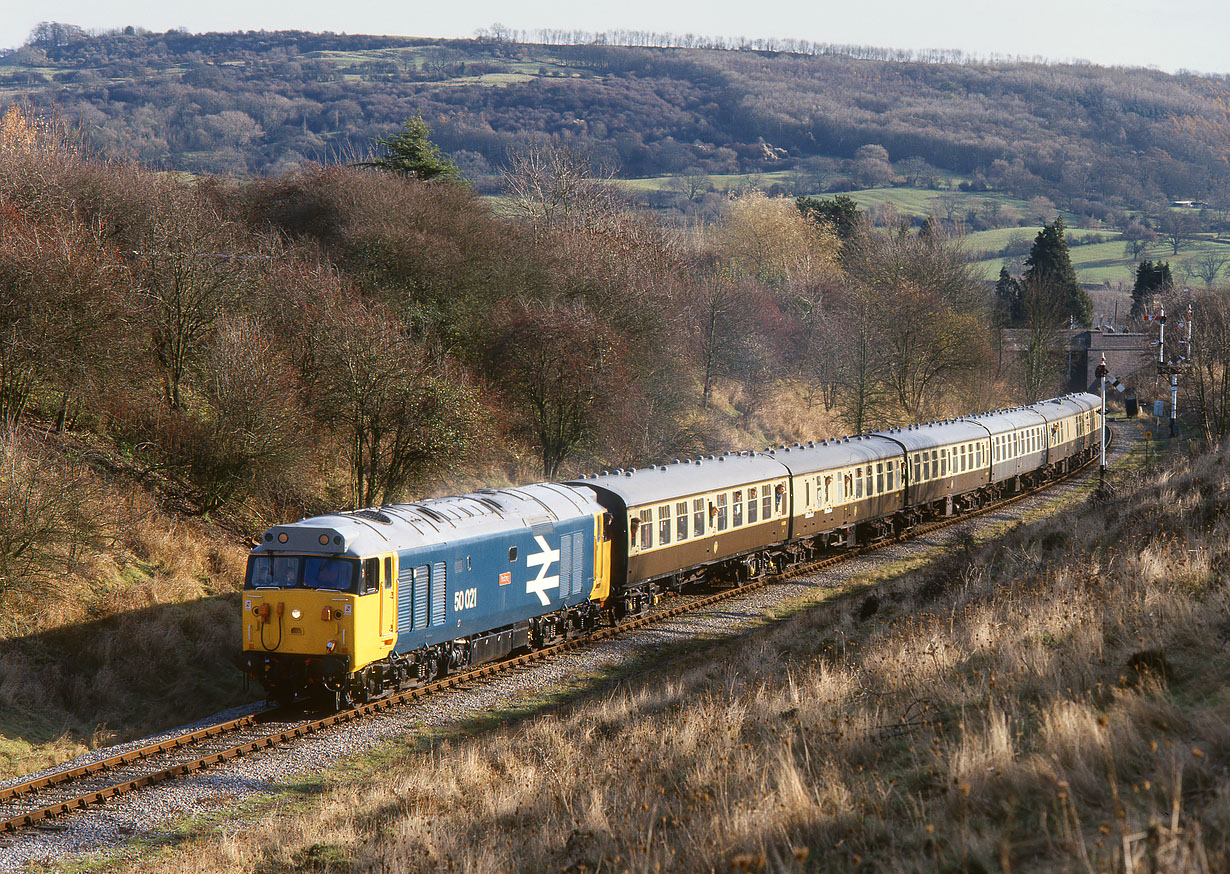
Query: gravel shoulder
[224,795]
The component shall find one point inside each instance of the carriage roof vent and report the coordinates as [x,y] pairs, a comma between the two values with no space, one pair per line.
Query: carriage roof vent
[628,472]
[606,473]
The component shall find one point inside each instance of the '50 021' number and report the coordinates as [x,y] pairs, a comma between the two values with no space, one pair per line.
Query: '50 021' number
[465,599]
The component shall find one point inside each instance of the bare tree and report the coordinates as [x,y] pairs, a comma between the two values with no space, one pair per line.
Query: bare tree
[1211,370]
[552,184]
[693,184]
[400,414]
[59,311]
[564,372]
[188,270]
[254,425]
[1206,268]
[1137,239]
[49,522]
[861,367]
[1178,228]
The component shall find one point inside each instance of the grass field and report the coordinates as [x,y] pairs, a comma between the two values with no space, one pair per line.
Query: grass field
[1105,262]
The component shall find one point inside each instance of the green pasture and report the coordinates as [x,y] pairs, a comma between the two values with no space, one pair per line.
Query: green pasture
[719,181]
[519,69]
[1105,262]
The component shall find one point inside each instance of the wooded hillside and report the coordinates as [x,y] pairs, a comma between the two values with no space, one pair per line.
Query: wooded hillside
[1092,139]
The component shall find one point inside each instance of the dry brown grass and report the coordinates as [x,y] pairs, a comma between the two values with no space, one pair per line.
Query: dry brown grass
[1049,702]
[78,638]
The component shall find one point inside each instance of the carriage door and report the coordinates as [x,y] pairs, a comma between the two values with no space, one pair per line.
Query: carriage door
[825,487]
[388,598]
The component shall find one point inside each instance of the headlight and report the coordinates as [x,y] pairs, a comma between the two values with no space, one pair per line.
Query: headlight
[295,614]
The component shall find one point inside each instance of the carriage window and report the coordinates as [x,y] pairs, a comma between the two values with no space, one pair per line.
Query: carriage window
[807,494]
[858,482]
[681,521]
[646,528]
[880,478]
[722,501]
[891,467]
[698,517]
[779,494]
[766,505]
[751,505]
[664,524]
[917,469]
[869,492]
[736,509]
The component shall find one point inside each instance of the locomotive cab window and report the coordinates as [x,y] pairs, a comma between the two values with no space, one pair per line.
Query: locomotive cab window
[512,553]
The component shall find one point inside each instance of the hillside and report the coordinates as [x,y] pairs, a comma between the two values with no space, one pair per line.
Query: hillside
[1055,700]
[1091,139]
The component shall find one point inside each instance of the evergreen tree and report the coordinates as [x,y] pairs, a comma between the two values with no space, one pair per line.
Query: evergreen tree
[841,213]
[1048,262]
[1151,279]
[1008,298]
[412,153]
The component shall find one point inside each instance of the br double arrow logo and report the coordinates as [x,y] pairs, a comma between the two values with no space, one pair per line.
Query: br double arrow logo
[543,559]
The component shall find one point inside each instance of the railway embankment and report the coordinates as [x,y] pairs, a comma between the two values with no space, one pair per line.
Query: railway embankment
[1055,698]
[1051,699]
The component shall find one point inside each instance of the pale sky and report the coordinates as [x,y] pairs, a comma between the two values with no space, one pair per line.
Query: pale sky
[1179,34]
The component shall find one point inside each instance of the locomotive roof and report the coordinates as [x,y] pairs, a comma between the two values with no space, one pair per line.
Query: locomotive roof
[395,527]
[667,482]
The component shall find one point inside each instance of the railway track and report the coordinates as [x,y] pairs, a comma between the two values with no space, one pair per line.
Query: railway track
[33,803]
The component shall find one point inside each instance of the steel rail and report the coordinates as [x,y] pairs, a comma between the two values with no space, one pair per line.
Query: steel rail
[99,796]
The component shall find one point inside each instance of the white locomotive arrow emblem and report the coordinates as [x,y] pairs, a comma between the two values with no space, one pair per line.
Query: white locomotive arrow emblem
[543,561]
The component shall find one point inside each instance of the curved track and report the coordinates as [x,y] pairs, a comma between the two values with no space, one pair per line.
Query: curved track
[81,787]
